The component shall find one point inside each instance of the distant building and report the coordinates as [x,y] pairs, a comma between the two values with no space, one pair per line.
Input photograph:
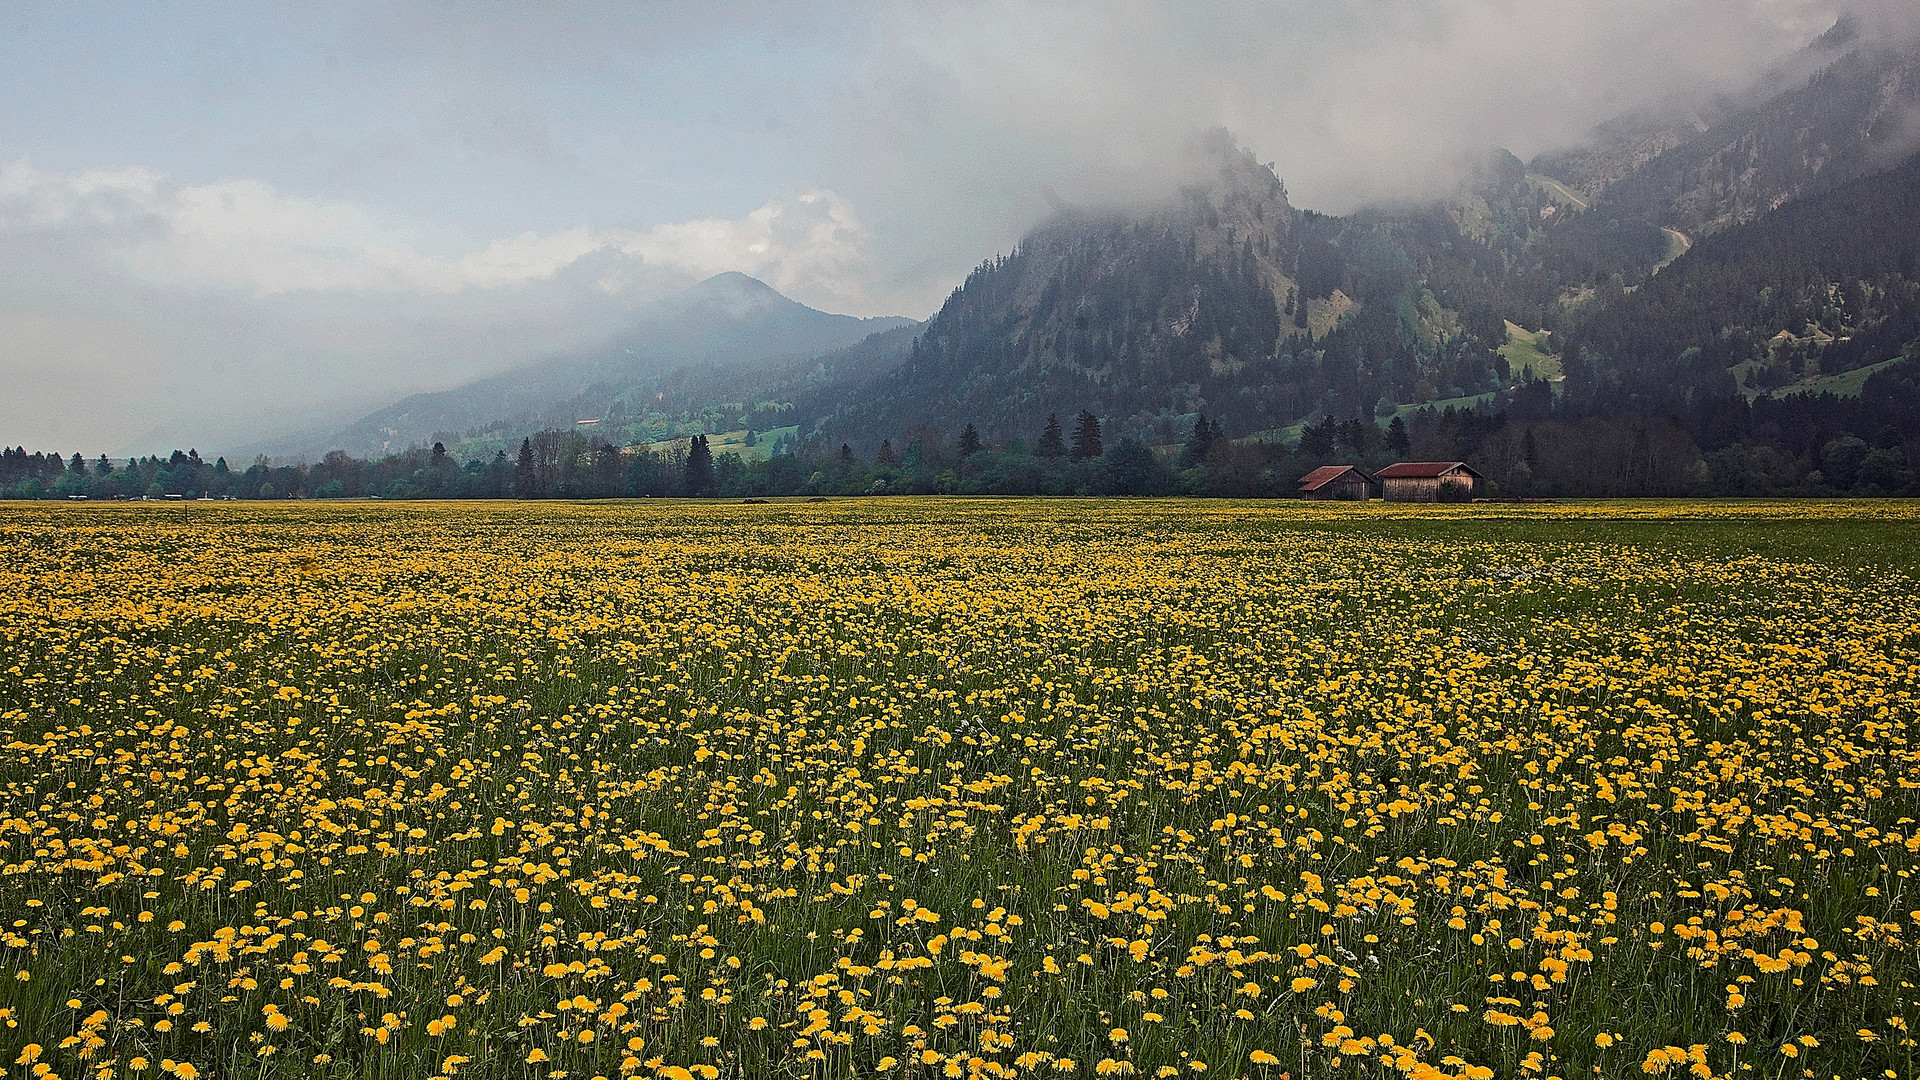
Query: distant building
[1429,481]
[1337,482]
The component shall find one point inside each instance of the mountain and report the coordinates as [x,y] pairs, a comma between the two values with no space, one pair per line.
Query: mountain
[1752,255]
[1727,289]
[730,325]
[1227,301]
[1857,113]
[1141,315]
[1822,286]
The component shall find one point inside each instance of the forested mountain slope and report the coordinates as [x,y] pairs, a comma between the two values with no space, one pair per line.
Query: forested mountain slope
[730,325]
[1827,284]
[1140,316]
[1855,116]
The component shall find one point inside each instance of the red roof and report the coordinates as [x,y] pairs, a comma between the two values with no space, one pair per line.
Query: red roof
[1327,474]
[1423,469]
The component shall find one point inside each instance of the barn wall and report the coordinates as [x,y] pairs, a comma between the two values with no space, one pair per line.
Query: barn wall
[1425,488]
[1412,489]
[1354,488]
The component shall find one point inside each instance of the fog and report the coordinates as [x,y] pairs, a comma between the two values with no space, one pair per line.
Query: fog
[222,223]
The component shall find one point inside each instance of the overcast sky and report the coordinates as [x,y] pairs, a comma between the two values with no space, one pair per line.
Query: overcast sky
[219,221]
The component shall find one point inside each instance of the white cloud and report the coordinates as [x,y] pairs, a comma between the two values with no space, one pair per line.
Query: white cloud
[1355,100]
[216,313]
[244,234]
[813,247]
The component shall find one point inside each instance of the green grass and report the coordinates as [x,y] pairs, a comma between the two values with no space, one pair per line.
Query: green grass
[1289,435]
[733,442]
[1527,349]
[446,786]
[1840,384]
[1440,405]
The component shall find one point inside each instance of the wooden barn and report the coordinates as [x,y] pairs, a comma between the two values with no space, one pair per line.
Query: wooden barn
[1429,481]
[1337,482]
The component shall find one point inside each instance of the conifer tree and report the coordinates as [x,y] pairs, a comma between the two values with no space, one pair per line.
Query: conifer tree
[1051,445]
[699,467]
[1400,444]
[1198,443]
[1086,436]
[969,442]
[523,470]
[1318,441]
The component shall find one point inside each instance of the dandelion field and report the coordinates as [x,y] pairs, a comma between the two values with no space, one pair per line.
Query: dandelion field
[929,788]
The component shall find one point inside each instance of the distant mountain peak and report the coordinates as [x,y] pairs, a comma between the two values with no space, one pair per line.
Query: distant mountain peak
[730,320]
[1844,32]
[730,296]
[735,283]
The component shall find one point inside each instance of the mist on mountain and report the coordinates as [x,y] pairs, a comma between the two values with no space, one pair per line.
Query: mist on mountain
[729,322]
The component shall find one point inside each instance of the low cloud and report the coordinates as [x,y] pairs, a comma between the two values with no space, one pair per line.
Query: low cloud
[814,246]
[243,234]
[1353,101]
[136,312]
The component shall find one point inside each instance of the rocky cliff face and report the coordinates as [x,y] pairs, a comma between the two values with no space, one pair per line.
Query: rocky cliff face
[1135,314]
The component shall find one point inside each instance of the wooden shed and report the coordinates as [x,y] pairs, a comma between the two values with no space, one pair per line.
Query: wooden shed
[1429,481]
[1337,482]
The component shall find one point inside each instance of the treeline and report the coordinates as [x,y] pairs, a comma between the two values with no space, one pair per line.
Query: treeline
[562,464]
[1530,443]
[1527,443]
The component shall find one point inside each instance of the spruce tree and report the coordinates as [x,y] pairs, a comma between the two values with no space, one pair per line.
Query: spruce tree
[699,467]
[969,442]
[1086,436]
[1198,443]
[1318,440]
[1051,445]
[523,483]
[1400,444]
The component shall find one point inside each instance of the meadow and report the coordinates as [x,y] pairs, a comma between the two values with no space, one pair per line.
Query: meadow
[944,788]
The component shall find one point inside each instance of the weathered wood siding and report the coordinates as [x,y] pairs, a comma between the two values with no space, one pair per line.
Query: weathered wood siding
[1427,488]
[1352,487]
